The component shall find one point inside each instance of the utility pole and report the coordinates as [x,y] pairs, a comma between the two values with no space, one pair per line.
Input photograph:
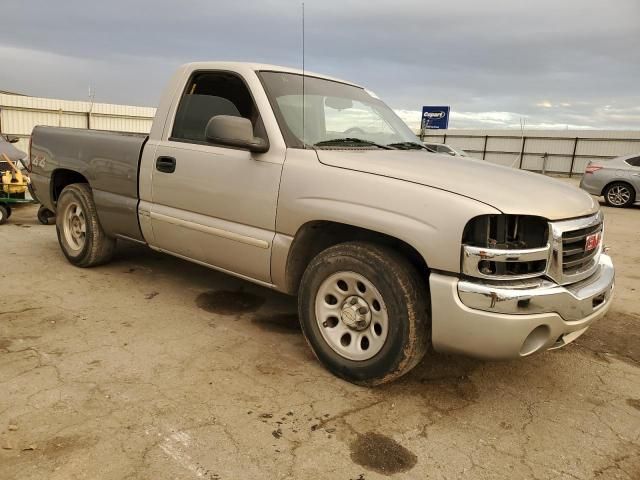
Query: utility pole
[92,96]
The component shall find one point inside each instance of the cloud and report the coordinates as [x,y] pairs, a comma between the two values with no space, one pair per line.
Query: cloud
[47,74]
[494,62]
[544,104]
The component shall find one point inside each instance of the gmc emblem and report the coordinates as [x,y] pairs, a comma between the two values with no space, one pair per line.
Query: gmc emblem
[592,242]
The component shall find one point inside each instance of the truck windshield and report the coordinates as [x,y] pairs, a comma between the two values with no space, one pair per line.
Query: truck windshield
[335,114]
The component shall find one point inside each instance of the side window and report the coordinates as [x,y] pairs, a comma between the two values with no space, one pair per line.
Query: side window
[209,94]
[634,162]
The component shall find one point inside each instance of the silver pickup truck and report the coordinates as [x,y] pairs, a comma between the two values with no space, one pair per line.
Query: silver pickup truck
[314,187]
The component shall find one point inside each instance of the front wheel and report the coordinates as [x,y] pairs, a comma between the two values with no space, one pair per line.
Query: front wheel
[80,234]
[364,310]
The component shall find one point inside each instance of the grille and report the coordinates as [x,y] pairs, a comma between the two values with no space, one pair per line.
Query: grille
[575,256]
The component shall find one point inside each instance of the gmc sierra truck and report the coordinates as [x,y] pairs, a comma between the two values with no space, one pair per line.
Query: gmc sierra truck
[312,186]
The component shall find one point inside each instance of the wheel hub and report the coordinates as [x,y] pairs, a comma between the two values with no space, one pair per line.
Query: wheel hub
[351,315]
[74,226]
[355,313]
[618,195]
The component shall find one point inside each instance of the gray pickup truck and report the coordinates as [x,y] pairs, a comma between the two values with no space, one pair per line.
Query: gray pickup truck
[314,187]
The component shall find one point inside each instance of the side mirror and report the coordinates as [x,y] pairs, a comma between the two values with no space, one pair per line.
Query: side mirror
[13,139]
[234,132]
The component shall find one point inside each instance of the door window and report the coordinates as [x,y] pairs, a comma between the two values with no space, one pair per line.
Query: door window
[209,94]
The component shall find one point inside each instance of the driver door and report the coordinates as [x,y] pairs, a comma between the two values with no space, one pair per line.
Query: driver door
[214,204]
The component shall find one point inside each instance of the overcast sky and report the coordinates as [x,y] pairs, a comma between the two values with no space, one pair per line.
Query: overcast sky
[554,64]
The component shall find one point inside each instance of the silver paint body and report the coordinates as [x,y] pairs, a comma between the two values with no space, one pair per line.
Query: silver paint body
[239,212]
[614,170]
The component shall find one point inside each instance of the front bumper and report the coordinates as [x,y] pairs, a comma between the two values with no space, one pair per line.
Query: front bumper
[499,320]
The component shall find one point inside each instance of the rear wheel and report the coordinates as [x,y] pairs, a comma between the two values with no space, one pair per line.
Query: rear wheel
[80,235]
[619,194]
[364,311]
[4,214]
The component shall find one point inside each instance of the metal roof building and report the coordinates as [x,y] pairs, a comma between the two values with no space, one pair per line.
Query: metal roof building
[20,113]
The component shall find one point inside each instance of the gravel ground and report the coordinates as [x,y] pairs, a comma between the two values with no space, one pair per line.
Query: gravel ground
[154,368]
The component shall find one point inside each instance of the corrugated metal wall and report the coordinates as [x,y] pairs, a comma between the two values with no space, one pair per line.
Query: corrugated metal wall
[528,149]
[19,114]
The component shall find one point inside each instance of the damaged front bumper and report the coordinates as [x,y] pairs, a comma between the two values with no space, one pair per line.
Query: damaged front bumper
[499,320]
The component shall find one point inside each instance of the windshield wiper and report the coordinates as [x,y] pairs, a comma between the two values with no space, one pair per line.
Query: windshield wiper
[410,146]
[351,140]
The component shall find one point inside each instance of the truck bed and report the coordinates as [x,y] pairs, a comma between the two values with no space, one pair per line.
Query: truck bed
[109,161]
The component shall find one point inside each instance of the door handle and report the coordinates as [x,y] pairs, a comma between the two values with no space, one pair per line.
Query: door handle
[166,164]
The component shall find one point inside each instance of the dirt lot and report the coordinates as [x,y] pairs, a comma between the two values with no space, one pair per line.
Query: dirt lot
[153,368]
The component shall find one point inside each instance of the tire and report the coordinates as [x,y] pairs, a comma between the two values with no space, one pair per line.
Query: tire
[80,235]
[45,215]
[619,195]
[398,331]
[4,214]
[9,211]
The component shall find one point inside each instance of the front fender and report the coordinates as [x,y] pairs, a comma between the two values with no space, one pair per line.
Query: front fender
[428,219]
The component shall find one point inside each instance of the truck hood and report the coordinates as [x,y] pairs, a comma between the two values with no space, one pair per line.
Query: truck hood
[506,189]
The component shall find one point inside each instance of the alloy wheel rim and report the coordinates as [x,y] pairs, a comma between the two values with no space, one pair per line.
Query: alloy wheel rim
[74,226]
[351,315]
[618,195]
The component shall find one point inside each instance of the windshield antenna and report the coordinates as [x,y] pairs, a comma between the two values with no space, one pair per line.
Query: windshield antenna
[304,144]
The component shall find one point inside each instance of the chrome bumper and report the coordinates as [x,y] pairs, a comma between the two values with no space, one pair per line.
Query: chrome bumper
[499,320]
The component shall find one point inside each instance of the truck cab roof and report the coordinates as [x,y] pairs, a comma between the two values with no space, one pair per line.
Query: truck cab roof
[257,67]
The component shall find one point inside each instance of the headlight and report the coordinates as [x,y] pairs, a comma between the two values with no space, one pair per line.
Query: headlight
[505,247]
